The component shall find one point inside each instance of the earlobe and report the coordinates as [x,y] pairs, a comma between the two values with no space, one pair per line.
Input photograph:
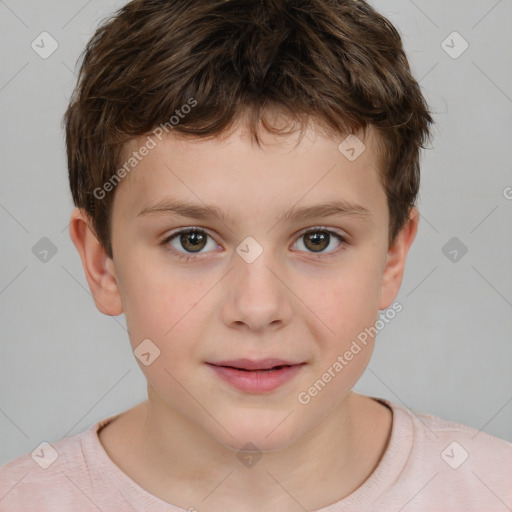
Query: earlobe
[395,261]
[98,267]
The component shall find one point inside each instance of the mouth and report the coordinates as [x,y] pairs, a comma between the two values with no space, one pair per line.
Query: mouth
[256,376]
[255,364]
[260,369]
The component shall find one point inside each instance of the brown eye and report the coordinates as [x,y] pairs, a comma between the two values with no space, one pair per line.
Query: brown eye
[189,242]
[318,240]
[193,241]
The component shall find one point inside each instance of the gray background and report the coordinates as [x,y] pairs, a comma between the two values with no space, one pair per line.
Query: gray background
[64,365]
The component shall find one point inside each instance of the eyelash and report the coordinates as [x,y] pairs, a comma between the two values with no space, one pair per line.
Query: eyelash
[192,229]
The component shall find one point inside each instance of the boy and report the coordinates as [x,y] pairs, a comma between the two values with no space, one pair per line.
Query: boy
[251,264]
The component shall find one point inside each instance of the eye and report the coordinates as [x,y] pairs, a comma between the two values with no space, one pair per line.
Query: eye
[318,239]
[194,240]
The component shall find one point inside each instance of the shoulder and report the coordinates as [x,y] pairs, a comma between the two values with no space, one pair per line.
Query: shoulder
[464,466]
[458,438]
[53,475]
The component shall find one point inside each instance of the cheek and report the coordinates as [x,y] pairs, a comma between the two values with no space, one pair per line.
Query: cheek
[345,302]
[169,319]
[161,308]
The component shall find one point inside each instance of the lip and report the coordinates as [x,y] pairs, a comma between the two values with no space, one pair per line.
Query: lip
[256,376]
[255,364]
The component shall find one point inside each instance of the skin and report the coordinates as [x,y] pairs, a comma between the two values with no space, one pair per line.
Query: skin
[291,302]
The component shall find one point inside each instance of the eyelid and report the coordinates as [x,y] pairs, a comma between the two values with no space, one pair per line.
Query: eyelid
[321,228]
[187,229]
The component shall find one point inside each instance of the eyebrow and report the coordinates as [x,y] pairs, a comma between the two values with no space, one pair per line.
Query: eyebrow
[195,211]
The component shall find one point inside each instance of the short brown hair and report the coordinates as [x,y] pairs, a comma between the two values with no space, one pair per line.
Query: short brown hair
[338,63]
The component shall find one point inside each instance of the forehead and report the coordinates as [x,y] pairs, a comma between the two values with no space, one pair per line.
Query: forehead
[232,170]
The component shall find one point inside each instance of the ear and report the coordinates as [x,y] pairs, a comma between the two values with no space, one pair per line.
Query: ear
[98,267]
[395,260]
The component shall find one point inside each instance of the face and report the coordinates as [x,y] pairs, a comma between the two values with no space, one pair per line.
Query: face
[236,277]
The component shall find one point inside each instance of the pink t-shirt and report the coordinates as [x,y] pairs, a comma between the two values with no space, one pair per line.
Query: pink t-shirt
[430,464]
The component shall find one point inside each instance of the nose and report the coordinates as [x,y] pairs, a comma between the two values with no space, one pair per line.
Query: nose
[257,297]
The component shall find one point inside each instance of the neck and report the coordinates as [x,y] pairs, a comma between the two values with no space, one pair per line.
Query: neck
[323,466]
